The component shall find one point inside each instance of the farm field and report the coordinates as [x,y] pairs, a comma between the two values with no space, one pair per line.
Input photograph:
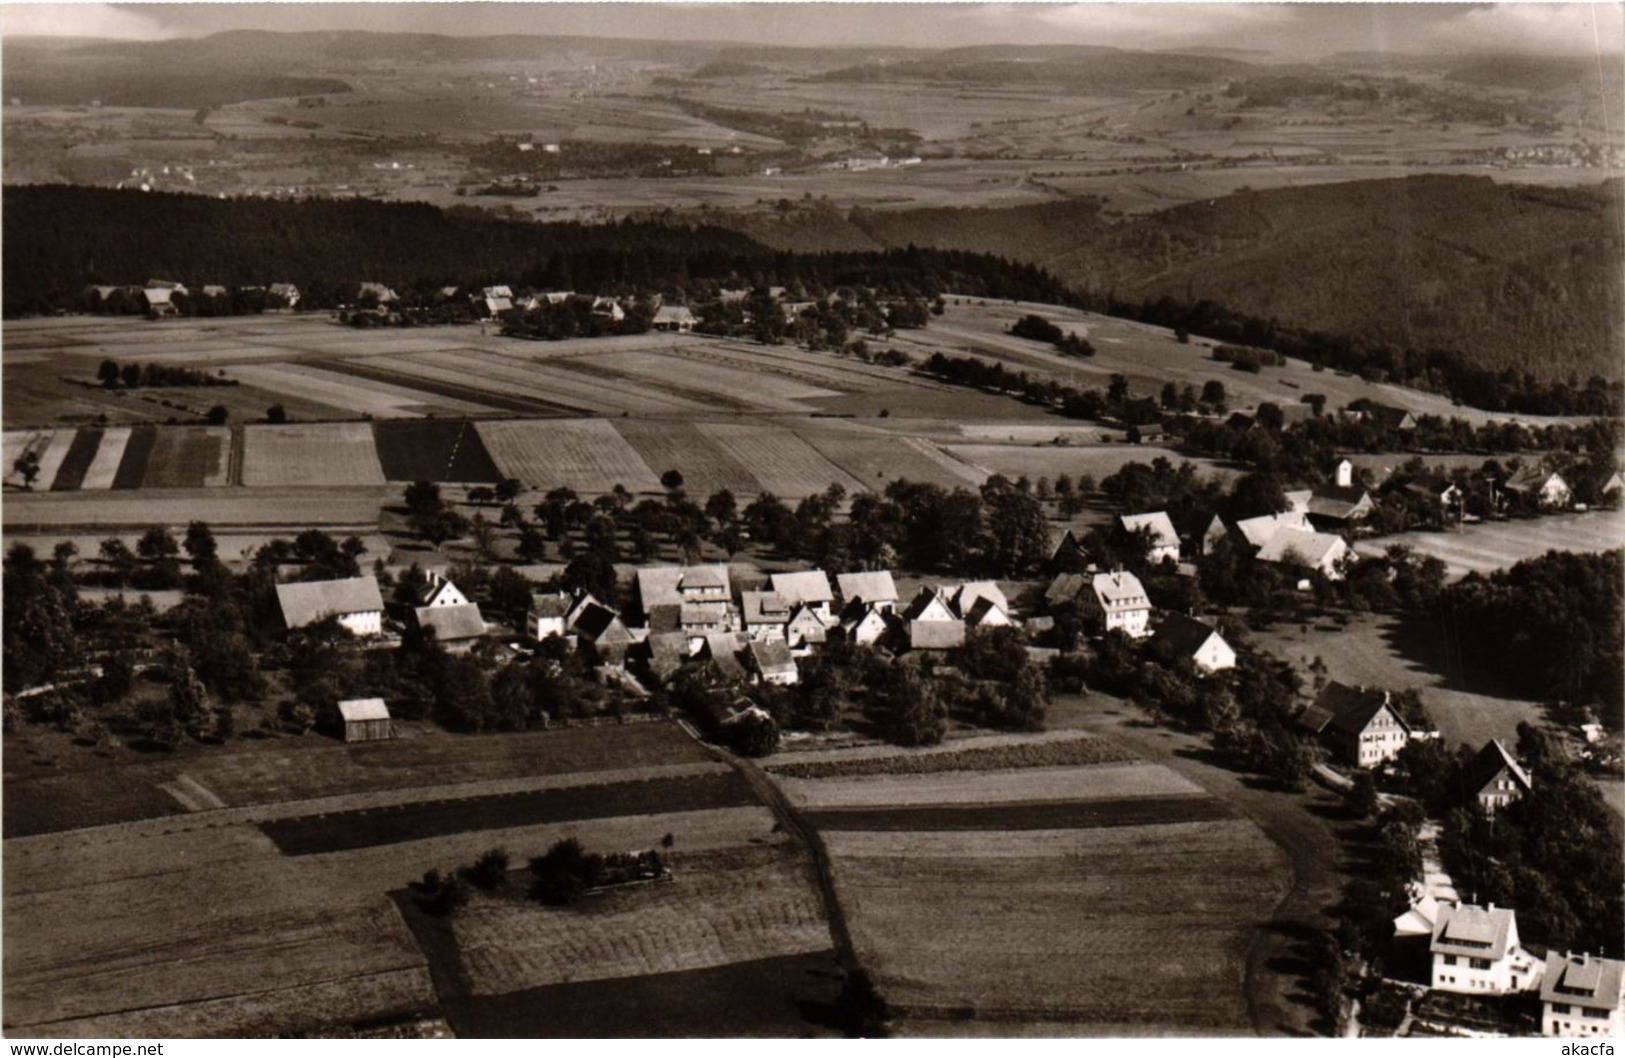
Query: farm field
[442,450]
[783,463]
[333,454]
[279,508]
[1487,546]
[357,396]
[1049,460]
[1042,894]
[587,455]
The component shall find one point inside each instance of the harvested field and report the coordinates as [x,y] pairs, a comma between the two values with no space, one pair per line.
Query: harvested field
[188,457]
[878,459]
[587,455]
[132,464]
[311,454]
[1489,546]
[50,447]
[634,391]
[357,396]
[434,450]
[103,470]
[1056,784]
[1028,754]
[339,831]
[1051,461]
[1023,815]
[82,798]
[721,906]
[752,387]
[461,394]
[782,462]
[76,463]
[763,998]
[1107,930]
[279,508]
[705,466]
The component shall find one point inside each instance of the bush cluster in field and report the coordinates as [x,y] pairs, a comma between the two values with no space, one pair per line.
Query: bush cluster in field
[991,758]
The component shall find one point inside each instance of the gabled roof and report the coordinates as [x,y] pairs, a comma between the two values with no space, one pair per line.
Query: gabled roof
[859,612]
[1312,547]
[1121,590]
[870,586]
[1066,587]
[357,709]
[1299,498]
[1386,414]
[1477,932]
[554,604]
[806,586]
[307,602]
[723,649]
[936,635]
[1490,762]
[452,623]
[690,614]
[982,608]
[771,657]
[1584,980]
[1162,529]
[1532,478]
[673,314]
[966,596]
[1347,709]
[1331,501]
[763,608]
[662,585]
[1258,531]
[601,625]
[1184,635]
[926,599]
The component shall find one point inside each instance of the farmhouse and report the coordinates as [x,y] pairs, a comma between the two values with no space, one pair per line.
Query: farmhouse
[1317,551]
[1338,506]
[1475,951]
[377,292]
[1162,540]
[986,612]
[1359,726]
[770,660]
[1066,588]
[355,601]
[805,629]
[1545,488]
[1118,603]
[673,318]
[929,623]
[1069,555]
[807,588]
[1443,496]
[601,629]
[692,599]
[722,650]
[160,302]
[286,293]
[1580,995]
[548,614]
[863,623]
[1495,778]
[764,613]
[965,597]
[1186,637]
[366,720]
[456,627]
[608,308]
[1385,415]
[441,592]
[1256,532]
[874,587]
[663,655]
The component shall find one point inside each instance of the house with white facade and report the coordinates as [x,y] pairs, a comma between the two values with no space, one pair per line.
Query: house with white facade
[355,601]
[1476,952]
[1581,995]
[1201,643]
[1322,552]
[1118,602]
[1495,778]
[1162,538]
[548,614]
[1358,725]
[808,587]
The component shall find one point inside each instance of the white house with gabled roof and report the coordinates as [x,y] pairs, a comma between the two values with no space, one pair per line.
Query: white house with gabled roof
[1582,995]
[1119,602]
[1476,952]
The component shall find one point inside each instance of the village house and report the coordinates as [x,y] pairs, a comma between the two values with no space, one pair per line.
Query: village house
[806,588]
[965,598]
[355,601]
[1323,552]
[1066,589]
[662,655]
[441,592]
[601,632]
[1334,508]
[1162,539]
[366,720]
[676,318]
[377,292]
[1495,778]
[987,612]
[770,662]
[160,302]
[929,623]
[863,623]
[547,614]
[1254,533]
[722,650]
[692,599]
[1581,995]
[1068,555]
[1117,602]
[805,629]
[1443,497]
[1476,952]
[874,587]
[1385,415]
[286,293]
[1186,637]
[608,308]
[1359,726]
[456,626]
[1545,488]
[764,614]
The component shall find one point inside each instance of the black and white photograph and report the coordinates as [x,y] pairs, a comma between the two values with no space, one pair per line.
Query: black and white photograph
[722,521]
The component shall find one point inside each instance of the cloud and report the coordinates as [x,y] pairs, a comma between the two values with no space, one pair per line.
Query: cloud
[78,20]
[1531,27]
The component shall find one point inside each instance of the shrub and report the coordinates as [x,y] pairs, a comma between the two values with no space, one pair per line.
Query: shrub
[488,872]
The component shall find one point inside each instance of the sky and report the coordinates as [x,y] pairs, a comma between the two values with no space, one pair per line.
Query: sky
[1287,30]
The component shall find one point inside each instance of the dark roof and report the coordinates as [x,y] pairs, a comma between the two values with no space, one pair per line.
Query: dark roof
[1066,588]
[307,602]
[723,650]
[602,625]
[667,617]
[870,586]
[1343,708]
[809,585]
[1490,762]
[771,656]
[667,651]
[555,605]
[983,606]
[922,601]
[1386,414]
[1183,635]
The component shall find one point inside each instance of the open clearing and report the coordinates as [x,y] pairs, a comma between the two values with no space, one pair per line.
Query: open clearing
[1488,546]
[333,454]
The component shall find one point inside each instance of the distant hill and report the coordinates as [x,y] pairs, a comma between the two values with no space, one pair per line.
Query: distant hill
[1509,276]
[1077,68]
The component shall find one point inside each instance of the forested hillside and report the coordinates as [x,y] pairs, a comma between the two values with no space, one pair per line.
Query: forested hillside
[58,239]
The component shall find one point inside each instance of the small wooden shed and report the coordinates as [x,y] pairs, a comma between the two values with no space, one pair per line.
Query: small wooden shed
[366,720]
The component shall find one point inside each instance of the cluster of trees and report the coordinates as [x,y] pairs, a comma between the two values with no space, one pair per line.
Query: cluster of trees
[131,376]
[1438,370]
[1247,358]
[574,318]
[1549,626]
[57,239]
[1041,330]
[990,376]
